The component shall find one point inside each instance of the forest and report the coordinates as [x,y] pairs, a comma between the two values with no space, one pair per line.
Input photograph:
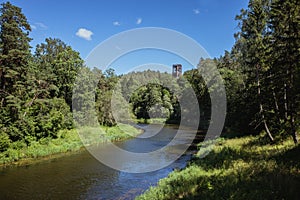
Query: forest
[257,156]
[260,73]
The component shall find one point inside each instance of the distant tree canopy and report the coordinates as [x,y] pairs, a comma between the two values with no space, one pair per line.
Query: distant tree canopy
[151,94]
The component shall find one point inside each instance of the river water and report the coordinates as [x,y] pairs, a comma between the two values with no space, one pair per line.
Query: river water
[81,176]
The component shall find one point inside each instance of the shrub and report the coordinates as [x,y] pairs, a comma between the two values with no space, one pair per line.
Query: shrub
[4,141]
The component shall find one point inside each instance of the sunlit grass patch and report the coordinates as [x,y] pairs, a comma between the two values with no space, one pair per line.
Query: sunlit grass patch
[67,141]
[238,168]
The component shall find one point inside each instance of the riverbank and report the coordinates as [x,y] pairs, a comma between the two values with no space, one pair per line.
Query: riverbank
[68,141]
[237,168]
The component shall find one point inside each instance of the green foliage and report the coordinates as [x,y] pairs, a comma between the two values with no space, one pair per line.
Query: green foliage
[83,102]
[232,169]
[30,85]
[14,58]
[285,43]
[261,75]
[58,66]
[201,91]
[261,72]
[103,134]
[152,100]
[51,116]
[152,94]
[105,88]
[65,141]
[4,141]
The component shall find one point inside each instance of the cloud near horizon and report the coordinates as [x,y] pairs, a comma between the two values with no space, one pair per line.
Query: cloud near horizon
[84,33]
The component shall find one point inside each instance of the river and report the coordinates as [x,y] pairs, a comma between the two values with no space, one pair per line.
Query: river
[81,176]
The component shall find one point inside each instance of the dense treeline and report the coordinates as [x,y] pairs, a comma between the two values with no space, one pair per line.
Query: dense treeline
[153,94]
[265,64]
[261,75]
[35,89]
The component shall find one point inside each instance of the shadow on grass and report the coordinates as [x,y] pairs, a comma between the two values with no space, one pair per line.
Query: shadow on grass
[290,157]
[246,185]
[240,168]
[222,158]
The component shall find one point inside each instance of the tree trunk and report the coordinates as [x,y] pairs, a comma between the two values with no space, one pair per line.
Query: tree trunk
[261,109]
[2,82]
[277,111]
[285,102]
[293,130]
[291,111]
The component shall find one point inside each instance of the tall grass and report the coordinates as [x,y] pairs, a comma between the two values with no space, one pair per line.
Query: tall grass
[151,121]
[240,168]
[67,141]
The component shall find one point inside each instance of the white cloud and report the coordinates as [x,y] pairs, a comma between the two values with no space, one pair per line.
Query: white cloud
[33,27]
[116,23]
[38,26]
[41,25]
[139,21]
[196,11]
[84,33]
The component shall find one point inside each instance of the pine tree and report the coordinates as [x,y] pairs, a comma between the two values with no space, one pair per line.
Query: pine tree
[15,57]
[252,43]
[285,41]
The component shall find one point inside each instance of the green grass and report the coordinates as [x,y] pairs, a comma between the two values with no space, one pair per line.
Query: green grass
[239,168]
[103,134]
[68,141]
[151,121]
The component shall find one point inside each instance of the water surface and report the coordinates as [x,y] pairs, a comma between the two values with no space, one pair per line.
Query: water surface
[81,176]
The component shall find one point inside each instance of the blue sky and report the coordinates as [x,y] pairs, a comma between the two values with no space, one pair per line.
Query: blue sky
[84,24]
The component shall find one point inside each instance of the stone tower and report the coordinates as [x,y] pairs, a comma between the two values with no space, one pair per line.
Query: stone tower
[177,70]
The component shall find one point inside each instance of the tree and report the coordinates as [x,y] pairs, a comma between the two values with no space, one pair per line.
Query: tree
[285,41]
[105,87]
[83,99]
[230,70]
[198,85]
[14,57]
[58,65]
[253,38]
[15,66]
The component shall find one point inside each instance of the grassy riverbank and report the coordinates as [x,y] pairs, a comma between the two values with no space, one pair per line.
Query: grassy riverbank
[152,121]
[19,153]
[238,168]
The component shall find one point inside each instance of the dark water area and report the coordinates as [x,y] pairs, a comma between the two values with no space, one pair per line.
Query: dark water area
[81,176]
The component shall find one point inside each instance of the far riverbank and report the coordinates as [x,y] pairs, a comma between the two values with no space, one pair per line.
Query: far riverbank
[67,142]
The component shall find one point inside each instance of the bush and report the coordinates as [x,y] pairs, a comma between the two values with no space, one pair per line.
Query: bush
[51,116]
[18,145]
[4,141]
